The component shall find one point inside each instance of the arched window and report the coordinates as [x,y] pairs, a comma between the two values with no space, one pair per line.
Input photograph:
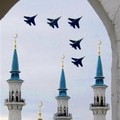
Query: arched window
[17,98]
[97,100]
[94,100]
[60,110]
[101,101]
[64,111]
[12,96]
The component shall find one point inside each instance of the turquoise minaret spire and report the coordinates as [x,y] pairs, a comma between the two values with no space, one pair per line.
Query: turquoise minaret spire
[62,89]
[99,72]
[99,106]
[15,102]
[15,65]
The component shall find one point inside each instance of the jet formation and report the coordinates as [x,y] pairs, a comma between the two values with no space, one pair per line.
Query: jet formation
[77,61]
[30,20]
[53,22]
[74,22]
[76,44]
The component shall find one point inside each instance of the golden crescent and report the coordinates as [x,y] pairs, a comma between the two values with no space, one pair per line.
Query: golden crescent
[16,35]
[41,104]
[100,43]
[63,57]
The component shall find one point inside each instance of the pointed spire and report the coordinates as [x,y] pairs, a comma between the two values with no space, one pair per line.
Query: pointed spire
[62,89]
[15,65]
[15,41]
[99,72]
[99,48]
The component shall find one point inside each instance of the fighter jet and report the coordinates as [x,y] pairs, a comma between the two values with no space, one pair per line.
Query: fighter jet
[74,22]
[78,61]
[76,44]
[30,20]
[53,22]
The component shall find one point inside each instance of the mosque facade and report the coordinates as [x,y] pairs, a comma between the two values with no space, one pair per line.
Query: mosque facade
[15,102]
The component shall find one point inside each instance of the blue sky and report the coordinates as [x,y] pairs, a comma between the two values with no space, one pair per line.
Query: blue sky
[40,49]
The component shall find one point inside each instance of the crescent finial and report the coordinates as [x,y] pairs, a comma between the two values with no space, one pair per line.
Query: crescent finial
[100,42]
[16,36]
[41,104]
[63,57]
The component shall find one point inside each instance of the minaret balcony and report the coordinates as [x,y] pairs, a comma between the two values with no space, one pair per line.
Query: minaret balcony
[13,102]
[62,116]
[104,106]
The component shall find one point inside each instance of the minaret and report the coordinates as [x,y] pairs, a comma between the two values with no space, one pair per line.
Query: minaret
[14,101]
[99,107]
[62,99]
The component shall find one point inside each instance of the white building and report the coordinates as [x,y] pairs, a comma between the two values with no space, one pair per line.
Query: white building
[62,100]
[99,107]
[15,101]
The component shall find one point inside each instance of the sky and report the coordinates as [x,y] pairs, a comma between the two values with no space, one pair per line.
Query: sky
[40,49]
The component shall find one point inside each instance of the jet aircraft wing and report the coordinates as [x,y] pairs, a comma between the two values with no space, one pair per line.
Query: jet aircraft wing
[77,24]
[52,26]
[79,46]
[76,64]
[29,23]
[81,63]
[33,22]
[57,25]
